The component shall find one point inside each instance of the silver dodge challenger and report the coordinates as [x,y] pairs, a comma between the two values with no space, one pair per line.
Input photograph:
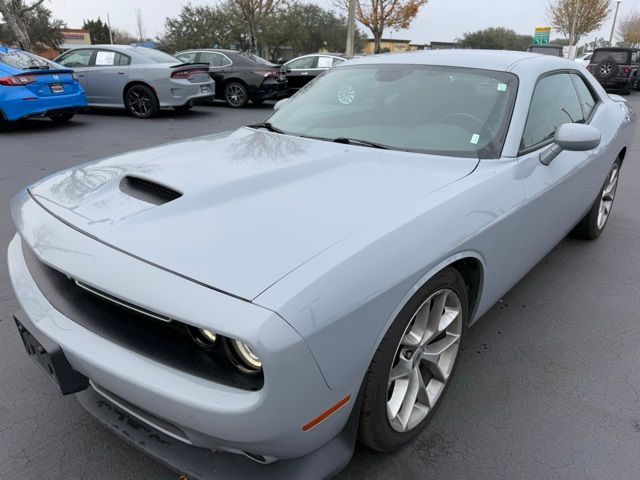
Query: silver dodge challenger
[142,80]
[247,305]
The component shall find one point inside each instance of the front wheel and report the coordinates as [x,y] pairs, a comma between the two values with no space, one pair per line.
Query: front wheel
[411,369]
[236,95]
[141,102]
[593,223]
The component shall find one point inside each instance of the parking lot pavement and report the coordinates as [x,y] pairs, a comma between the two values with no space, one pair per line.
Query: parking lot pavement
[548,385]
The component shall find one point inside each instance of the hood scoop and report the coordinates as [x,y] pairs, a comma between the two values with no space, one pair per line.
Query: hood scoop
[148,190]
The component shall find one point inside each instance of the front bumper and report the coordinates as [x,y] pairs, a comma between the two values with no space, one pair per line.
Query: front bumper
[204,464]
[267,422]
[23,104]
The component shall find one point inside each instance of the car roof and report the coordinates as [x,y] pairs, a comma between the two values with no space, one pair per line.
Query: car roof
[499,60]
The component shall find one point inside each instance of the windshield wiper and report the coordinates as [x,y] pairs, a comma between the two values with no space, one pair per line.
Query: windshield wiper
[267,126]
[355,141]
[36,67]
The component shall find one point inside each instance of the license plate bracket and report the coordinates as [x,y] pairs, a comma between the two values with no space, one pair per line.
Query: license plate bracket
[49,357]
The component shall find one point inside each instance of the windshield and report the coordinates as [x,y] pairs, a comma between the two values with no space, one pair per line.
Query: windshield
[23,60]
[156,56]
[450,111]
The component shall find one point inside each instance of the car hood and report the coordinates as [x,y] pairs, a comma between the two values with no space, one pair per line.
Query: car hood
[254,206]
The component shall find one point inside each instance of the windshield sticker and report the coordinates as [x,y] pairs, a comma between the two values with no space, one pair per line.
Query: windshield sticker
[475,138]
[502,87]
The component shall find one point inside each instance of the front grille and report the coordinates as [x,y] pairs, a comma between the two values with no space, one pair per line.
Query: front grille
[137,329]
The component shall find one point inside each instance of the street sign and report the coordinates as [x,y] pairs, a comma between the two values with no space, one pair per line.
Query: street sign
[542,36]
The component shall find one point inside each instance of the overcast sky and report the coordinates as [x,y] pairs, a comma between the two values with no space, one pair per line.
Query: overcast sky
[440,20]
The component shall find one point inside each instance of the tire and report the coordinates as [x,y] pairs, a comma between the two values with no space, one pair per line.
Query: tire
[594,222]
[141,101]
[236,95]
[379,428]
[606,69]
[626,89]
[62,118]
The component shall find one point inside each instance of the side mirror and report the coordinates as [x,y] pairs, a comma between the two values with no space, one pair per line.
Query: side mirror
[287,70]
[280,103]
[572,137]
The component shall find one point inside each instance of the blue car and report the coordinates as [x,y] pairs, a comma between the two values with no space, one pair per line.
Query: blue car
[31,86]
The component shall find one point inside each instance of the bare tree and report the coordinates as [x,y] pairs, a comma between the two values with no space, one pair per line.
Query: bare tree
[139,24]
[588,15]
[254,13]
[379,15]
[629,29]
[14,13]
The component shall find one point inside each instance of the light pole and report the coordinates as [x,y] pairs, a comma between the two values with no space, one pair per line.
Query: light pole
[615,17]
[351,28]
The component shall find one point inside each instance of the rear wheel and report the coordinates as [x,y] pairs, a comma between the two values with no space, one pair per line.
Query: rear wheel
[593,223]
[141,101]
[411,369]
[236,95]
[62,118]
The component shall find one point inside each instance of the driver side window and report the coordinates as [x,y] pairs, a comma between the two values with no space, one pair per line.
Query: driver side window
[76,59]
[555,102]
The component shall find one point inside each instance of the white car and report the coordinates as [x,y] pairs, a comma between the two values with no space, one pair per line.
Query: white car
[584,59]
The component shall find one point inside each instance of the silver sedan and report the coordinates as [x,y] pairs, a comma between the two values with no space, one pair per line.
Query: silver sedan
[140,79]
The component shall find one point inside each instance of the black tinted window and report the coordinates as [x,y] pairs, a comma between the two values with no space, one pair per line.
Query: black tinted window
[587,99]
[212,58]
[554,103]
[619,57]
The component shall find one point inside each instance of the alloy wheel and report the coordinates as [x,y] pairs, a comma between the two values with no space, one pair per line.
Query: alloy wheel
[235,95]
[424,360]
[605,69]
[607,197]
[140,102]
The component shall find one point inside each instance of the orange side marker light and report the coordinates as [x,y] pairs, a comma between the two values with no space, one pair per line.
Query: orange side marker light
[326,414]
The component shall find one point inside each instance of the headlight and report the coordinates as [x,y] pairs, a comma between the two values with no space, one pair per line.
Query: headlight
[249,360]
[204,338]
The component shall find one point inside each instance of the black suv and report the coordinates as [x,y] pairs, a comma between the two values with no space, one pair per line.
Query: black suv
[615,68]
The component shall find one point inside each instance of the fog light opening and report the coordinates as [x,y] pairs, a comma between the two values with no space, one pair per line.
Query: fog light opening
[204,338]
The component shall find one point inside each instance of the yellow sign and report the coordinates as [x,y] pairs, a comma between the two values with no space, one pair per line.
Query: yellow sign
[543,29]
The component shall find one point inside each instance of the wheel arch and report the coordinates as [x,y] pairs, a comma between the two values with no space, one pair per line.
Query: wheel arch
[471,266]
[131,84]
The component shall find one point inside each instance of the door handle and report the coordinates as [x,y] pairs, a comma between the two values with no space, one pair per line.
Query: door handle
[120,73]
[81,75]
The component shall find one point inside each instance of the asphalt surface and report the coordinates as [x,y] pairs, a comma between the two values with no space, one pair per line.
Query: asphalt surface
[548,384]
